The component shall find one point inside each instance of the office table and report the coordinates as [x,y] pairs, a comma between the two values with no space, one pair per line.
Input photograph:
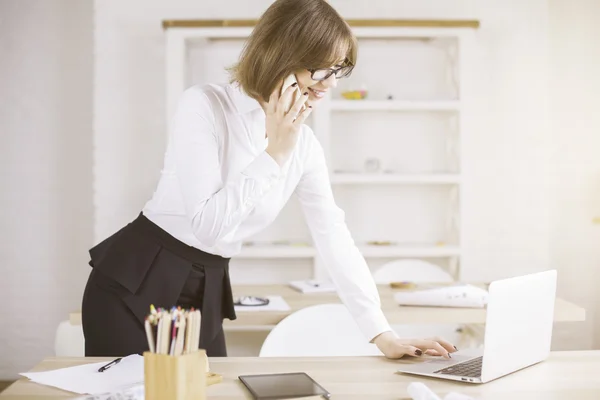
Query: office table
[564,375]
[264,320]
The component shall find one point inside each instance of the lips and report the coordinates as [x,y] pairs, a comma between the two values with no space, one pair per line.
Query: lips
[318,93]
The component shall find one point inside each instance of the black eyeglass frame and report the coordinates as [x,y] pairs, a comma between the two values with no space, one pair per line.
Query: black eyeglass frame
[261,301]
[332,71]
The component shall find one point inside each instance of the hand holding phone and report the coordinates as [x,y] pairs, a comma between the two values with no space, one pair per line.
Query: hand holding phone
[287,82]
[286,112]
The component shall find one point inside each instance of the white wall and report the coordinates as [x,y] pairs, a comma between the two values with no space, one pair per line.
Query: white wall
[575,160]
[45,178]
[506,215]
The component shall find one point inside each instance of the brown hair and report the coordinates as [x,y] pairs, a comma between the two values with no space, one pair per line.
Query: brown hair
[289,36]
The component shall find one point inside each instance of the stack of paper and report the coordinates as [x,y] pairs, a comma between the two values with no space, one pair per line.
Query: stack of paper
[451,296]
[85,379]
[312,286]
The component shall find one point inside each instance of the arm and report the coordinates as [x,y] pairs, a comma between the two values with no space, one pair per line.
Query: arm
[347,266]
[214,207]
[331,236]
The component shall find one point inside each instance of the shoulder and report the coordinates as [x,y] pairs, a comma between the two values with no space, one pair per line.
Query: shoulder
[201,96]
[202,104]
[195,111]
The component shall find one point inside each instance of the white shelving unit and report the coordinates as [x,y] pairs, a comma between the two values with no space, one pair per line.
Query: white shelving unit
[394,105]
[398,179]
[414,120]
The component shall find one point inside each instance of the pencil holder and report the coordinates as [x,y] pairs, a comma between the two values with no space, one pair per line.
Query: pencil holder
[175,377]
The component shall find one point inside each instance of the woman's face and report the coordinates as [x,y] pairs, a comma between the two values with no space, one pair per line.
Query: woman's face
[316,89]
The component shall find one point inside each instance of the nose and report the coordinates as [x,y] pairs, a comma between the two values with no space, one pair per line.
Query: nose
[330,82]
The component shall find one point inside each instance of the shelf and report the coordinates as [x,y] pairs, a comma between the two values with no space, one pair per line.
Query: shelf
[402,179]
[276,251]
[373,251]
[394,105]
[409,251]
[379,23]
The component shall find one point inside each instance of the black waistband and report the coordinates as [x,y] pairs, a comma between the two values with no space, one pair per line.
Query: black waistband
[176,246]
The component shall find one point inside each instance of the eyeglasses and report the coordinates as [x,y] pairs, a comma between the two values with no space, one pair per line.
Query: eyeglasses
[324,73]
[251,301]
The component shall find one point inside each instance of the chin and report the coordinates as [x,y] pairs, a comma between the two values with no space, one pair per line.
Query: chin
[312,101]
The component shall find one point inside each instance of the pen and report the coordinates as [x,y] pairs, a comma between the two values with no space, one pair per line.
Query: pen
[173,333]
[110,364]
[149,334]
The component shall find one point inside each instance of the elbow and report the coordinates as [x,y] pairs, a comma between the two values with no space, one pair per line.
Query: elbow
[205,232]
[210,227]
[210,231]
[206,240]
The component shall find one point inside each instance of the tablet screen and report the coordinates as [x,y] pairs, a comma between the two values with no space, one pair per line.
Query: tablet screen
[283,386]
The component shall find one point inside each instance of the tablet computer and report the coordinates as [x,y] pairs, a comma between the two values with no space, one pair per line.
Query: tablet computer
[283,386]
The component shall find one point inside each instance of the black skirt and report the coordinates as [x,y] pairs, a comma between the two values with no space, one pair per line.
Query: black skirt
[141,265]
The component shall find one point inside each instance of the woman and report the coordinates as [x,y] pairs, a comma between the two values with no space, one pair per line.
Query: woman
[235,156]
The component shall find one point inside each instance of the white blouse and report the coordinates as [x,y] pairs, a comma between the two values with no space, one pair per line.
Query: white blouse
[219,186]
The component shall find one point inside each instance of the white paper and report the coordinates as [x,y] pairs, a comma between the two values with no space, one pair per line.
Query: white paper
[457,396]
[452,296]
[85,379]
[312,286]
[420,391]
[276,303]
[135,392]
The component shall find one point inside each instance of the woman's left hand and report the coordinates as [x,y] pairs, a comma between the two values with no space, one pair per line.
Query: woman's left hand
[393,347]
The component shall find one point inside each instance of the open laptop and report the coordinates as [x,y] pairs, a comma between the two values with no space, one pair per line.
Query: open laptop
[518,332]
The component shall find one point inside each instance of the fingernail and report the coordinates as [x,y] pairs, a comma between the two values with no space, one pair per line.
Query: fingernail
[449,355]
[306,93]
[309,106]
[418,352]
[294,84]
[455,348]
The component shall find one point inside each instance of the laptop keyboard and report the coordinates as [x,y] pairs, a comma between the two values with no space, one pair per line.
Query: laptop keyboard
[471,368]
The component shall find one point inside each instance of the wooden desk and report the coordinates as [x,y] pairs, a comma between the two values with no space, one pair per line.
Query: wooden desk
[565,375]
[565,311]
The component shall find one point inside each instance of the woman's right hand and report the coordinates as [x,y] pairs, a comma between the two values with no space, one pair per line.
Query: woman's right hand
[394,347]
[283,127]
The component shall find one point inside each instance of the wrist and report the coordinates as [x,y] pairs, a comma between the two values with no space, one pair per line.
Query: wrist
[278,157]
[383,338]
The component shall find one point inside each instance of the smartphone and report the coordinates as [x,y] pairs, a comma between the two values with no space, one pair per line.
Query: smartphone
[296,95]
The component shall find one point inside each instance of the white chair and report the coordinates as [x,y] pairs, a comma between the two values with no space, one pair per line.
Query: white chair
[420,271]
[69,340]
[411,270]
[321,330]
